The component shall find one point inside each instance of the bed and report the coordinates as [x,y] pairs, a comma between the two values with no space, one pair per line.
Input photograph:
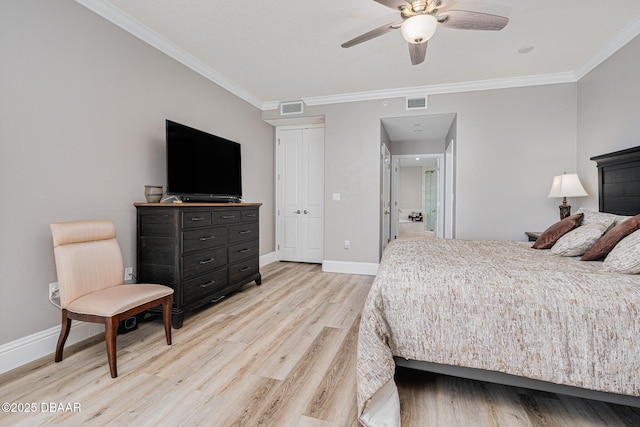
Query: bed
[502,311]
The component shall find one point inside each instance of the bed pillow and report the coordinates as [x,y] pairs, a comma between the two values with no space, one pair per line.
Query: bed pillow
[625,256]
[591,217]
[579,240]
[622,218]
[557,230]
[611,238]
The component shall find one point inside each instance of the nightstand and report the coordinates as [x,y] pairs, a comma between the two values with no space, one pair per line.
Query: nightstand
[533,235]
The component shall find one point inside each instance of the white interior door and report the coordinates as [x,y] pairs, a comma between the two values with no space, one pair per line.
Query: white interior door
[300,188]
[385,205]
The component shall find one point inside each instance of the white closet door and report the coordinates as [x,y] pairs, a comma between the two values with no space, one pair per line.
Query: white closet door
[300,187]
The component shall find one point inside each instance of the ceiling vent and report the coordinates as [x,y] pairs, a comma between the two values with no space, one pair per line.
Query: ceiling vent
[288,108]
[416,103]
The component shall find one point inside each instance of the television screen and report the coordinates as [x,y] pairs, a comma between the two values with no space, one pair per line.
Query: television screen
[201,166]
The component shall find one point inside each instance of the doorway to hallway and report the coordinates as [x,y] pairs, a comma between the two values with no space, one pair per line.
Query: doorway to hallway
[430,207]
[417,196]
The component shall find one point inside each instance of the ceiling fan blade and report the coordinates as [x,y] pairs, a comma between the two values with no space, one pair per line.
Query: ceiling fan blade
[468,20]
[394,4]
[417,52]
[372,34]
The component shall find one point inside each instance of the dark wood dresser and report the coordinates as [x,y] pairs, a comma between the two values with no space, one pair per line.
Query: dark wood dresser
[204,251]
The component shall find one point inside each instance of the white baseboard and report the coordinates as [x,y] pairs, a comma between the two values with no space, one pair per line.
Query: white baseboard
[364,268]
[41,344]
[267,258]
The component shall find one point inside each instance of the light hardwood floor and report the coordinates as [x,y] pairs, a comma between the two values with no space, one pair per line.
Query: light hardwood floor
[282,354]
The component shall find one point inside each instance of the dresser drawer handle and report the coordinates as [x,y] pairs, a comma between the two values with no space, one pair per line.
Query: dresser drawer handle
[218,299]
[228,216]
[251,215]
[204,285]
[245,269]
[204,239]
[244,231]
[198,218]
[245,250]
[207,261]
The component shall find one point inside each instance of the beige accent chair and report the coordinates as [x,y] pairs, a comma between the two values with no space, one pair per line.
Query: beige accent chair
[91,280]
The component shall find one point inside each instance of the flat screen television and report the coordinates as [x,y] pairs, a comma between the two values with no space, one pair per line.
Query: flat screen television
[202,167]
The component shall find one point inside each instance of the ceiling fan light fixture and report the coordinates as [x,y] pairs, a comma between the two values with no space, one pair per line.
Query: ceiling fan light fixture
[419,28]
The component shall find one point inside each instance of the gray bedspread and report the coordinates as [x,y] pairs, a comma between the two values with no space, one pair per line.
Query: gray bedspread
[500,306]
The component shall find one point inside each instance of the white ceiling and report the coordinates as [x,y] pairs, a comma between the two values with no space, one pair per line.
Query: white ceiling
[406,161]
[267,51]
[418,128]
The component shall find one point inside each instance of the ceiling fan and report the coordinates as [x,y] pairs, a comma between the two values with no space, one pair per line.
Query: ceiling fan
[420,18]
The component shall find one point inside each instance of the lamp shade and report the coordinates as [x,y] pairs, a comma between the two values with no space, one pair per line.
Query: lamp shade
[567,185]
[419,28]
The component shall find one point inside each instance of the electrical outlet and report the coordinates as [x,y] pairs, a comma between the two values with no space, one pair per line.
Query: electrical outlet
[54,290]
[347,244]
[128,273]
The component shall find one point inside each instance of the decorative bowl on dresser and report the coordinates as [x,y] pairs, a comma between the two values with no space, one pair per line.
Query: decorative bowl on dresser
[204,251]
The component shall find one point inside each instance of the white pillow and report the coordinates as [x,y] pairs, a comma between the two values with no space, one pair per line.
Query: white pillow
[625,256]
[591,217]
[580,239]
[622,218]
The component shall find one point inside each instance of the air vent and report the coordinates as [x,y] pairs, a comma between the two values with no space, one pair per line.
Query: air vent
[287,108]
[416,103]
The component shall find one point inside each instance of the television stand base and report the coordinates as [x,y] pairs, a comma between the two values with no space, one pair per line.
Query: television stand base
[195,198]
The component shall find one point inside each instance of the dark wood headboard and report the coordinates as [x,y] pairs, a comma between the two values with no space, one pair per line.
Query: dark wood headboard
[619,181]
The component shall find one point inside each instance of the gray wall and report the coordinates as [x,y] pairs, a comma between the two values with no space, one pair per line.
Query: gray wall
[510,144]
[82,110]
[608,113]
[410,180]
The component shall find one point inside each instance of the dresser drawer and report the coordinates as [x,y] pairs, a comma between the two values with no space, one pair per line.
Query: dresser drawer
[226,216]
[243,250]
[157,224]
[195,240]
[249,215]
[197,264]
[191,219]
[207,284]
[238,233]
[156,250]
[243,269]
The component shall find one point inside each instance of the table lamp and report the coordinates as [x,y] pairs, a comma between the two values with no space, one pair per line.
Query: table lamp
[566,185]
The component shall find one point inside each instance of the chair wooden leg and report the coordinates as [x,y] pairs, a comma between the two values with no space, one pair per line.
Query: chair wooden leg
[65,327]
[111,333]
[166,313]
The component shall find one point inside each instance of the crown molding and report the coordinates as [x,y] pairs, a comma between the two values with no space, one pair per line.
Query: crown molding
[627,34]
[270,105]
[542,79]
[144,33]
[124,21]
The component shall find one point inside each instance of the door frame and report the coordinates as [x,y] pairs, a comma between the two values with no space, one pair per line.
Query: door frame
[450,196]
[385,196]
